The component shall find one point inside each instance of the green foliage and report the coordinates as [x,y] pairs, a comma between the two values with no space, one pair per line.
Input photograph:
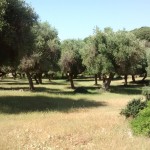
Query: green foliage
[109,52]
[141,124]
[133,108]
[71,60]
[148,67]
[47,45]
[130,55]
[91,56]
[16,38]
[29,64]
[142,33]
[2,12]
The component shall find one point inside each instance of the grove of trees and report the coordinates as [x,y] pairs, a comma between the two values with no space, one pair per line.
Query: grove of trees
[33,48]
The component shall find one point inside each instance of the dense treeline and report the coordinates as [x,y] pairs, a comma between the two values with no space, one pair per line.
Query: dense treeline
[33,48]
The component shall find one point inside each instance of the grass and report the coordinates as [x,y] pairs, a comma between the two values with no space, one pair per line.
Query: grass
[54,118]
[141,124]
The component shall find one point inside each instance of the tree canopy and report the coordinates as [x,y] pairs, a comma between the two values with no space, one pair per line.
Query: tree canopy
[71,61]
[17,19]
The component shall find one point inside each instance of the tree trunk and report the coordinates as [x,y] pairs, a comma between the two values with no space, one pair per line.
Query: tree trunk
[107,81]
[67,76]
[99,76]
[133,78]
[104,78]
[145,75]
[75,76]
[35,78]
[2,74]
[31,86]
[95,79]
[71,80]
[39,75]
[20,75]
[14,75]
[126,80]
[62,76]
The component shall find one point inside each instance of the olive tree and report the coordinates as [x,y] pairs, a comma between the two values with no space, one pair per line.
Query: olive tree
[47,46]
[71,61]
[130,55]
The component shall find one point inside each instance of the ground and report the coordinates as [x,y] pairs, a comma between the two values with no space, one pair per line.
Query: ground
[54,118]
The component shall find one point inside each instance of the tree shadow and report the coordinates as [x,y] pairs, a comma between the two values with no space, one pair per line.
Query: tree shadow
[84,80]
[53,91]
[15,88]
[87,90]
[129,89]
[16,83]
[54,83]
[140,82]
[7,81]
[26,104]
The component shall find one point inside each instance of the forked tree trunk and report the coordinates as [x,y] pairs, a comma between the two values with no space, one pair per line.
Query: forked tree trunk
[95,79]
[107,81]
[133,78]
[126,80]
[31,86]
[71,80]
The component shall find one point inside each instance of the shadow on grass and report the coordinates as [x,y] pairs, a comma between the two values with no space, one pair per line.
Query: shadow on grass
[8,81]
[84,80]
[78,90]
[129,89]
[54,83]
[15,88]
[140,82]
[53,91]
[15,83]
[26,104]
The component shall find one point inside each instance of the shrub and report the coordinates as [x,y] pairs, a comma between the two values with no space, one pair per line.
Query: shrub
[81,90]
[141,124]
[133,108]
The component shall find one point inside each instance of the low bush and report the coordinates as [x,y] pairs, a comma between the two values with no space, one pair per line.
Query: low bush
[141,124]
[133,108]
[81,90]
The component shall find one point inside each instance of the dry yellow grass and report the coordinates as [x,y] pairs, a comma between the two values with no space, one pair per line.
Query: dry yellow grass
[96,128]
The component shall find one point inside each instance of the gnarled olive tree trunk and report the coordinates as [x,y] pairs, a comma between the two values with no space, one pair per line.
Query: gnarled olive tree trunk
[107,81]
